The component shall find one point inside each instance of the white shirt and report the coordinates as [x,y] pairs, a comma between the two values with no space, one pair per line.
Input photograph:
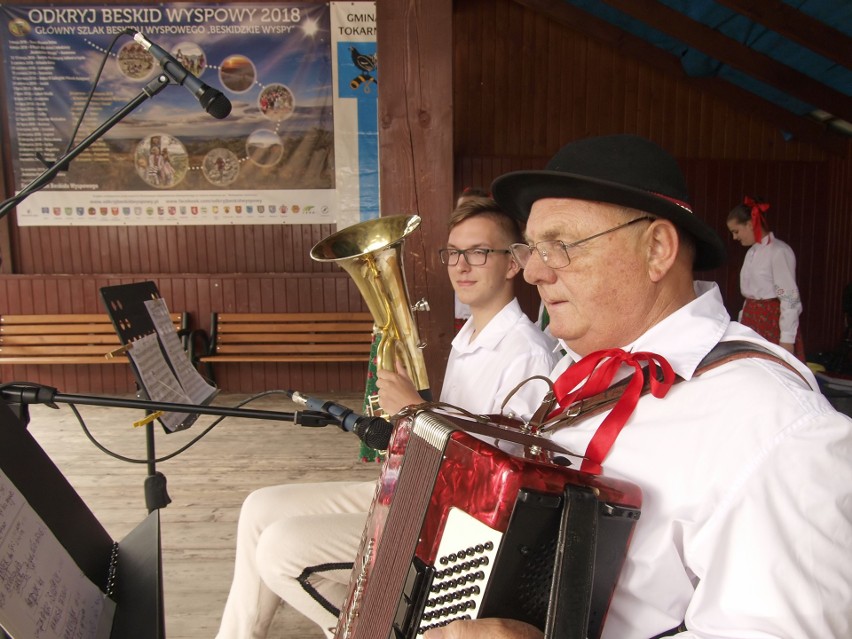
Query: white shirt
[769,272]
[480,374]
[746,473]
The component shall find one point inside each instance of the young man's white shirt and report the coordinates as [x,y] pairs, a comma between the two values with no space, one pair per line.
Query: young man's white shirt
[481,373]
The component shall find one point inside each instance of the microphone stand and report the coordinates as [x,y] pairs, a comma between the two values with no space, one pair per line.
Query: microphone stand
[151,89]
[20,396]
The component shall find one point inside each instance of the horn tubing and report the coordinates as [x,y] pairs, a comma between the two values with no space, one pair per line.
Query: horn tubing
[371,252]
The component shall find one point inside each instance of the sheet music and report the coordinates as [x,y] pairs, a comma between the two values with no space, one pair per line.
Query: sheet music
[157,378]
[43,593]
[190,380]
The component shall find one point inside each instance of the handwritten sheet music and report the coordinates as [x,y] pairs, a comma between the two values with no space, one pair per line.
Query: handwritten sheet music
[43,593]
[191,381]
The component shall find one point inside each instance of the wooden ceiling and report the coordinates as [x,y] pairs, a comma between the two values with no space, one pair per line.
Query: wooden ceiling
[763,55]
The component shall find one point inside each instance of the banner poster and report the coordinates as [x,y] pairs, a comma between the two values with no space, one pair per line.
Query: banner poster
[356,115]
[303,120]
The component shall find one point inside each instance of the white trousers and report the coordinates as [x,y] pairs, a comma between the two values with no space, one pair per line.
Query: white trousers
[296,543]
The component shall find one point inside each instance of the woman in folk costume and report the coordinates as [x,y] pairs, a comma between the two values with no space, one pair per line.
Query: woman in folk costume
[767,279]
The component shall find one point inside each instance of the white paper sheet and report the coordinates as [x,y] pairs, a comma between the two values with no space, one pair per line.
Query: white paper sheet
[43,593]
[157,378]
[198,390]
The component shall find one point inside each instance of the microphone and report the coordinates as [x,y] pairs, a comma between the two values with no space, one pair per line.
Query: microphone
[373,431]
[213,101]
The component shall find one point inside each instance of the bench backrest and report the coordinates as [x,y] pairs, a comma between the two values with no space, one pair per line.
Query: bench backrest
[292,333]
[75,337]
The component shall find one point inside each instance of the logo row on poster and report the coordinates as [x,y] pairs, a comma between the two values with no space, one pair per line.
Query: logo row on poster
[214,209]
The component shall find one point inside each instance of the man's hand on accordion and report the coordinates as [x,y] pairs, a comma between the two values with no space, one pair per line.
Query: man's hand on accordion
[486,629]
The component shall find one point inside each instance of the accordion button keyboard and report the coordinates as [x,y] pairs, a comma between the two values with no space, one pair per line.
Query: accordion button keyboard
[464,559]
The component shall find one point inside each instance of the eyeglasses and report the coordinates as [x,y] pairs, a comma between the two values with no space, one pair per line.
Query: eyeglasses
[554,253]
[473,256]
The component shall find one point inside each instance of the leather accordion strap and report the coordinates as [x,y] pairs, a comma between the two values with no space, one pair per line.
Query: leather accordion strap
[670,633]
[721,354]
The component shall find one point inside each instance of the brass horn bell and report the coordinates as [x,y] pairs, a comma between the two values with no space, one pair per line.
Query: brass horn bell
[371,252]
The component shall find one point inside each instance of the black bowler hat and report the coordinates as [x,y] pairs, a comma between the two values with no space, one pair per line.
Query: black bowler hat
[617,169]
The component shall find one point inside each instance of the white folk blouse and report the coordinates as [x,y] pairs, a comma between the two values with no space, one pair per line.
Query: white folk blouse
[769,272]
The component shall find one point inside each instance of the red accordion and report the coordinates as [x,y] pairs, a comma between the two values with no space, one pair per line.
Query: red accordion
[463,528]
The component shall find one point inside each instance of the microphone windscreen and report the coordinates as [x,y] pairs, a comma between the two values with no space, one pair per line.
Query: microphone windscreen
[215,103]
[376,433]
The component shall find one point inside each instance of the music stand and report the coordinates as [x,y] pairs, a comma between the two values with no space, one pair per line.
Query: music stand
[138,318]
[160,365]
[129,572]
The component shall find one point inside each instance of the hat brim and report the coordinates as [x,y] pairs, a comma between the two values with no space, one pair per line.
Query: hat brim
[517,191]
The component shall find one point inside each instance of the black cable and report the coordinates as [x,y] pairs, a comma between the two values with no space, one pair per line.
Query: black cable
[177,452]
[95,82]
[33,187]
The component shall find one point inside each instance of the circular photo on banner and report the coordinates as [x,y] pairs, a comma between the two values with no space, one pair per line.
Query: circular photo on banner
[191,56]
[161,160]
[237,73]
[134,61]
[19,27]
[220,166]
[276,102]
[264,147]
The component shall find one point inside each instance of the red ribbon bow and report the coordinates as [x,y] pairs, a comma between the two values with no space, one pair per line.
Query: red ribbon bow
[600,367]
[757,220]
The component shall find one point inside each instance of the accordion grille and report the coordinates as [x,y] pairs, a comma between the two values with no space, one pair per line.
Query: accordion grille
[423,458]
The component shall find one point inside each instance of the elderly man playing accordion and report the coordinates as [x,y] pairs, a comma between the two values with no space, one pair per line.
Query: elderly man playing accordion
[746,469]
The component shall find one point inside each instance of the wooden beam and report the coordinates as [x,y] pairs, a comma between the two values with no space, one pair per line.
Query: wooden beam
[7,180]
[797,26]
[737,55]
[5,230]
[416,151]
[803,128]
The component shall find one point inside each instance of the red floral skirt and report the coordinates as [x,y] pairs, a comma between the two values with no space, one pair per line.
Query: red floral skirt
[763,316]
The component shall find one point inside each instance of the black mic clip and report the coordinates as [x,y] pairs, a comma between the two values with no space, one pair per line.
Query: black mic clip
[374,431]
[313,419]
[29,394]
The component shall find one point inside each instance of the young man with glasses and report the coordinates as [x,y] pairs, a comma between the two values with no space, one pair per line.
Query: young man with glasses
[297,542]
[498,346]
[745,468]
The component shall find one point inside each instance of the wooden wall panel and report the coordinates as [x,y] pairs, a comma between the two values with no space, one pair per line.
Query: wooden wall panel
[168,249]
[524,84]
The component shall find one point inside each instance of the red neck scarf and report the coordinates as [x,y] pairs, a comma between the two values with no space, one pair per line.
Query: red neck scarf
[757,219]
[600,367]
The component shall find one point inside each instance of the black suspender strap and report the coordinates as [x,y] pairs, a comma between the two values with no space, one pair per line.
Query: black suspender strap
[722,353]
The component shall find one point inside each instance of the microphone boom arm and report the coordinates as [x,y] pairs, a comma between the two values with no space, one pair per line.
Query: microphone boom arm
[24,394]
[151,89]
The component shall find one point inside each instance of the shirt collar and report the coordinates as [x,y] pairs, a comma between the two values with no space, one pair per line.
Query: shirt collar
[767,239]
[492,334]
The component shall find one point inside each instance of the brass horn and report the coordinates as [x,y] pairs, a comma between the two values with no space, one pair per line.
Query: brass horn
[371,252]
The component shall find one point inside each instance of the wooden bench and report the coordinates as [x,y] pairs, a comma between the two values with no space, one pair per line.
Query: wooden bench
[288,337]
[86,338]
